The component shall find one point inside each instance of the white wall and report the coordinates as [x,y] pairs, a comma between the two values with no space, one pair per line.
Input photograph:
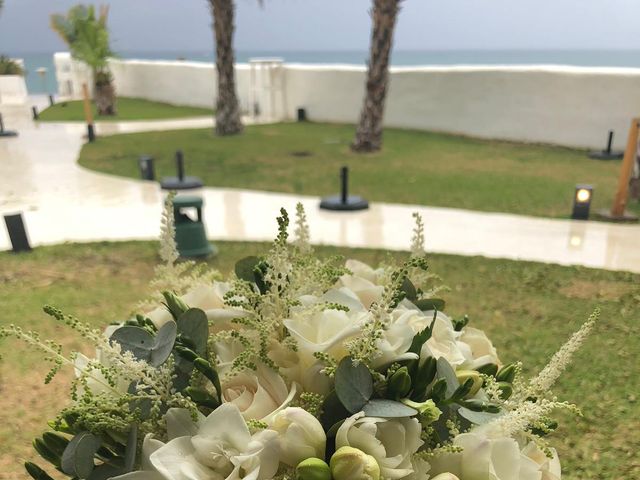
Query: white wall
[13,88]
[571,106]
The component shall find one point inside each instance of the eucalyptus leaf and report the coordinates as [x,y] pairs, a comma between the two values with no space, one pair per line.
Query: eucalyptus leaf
[194,326]
[77,459]
[245,268]
[478,418]
[354,385]
[136,340]
[387,409]
[446,371]
[105,472]
[163,344]
[427,304]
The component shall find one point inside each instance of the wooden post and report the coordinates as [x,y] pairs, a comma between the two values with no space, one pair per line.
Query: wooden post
[620,201]
[88,114]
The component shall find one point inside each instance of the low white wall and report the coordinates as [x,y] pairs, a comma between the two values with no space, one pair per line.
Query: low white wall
[567,106]
[571,106]
[13,88]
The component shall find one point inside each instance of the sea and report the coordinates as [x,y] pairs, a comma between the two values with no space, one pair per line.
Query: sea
[589,58]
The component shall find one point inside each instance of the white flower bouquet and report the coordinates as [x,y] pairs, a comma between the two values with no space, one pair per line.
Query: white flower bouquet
[298,367]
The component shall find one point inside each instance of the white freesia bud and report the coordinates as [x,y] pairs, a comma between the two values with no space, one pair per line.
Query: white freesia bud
[350,463]
[313,469]
[445,476]
[300,435]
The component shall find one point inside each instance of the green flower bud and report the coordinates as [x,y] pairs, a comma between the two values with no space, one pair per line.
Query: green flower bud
[490,369]
[464,375]
[505,390]
[349,463]
[313,469]
[427,411]
[507,373]
[400,383]
[174,304]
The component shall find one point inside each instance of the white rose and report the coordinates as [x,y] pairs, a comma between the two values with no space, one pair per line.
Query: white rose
[310,377]
[496,458]
[549,467]
[443,341]
[325,331]
[396,339]
[363,281]
[210,299]
[300,435]
[392,442]
[257,394]
[223,448]
[477,348]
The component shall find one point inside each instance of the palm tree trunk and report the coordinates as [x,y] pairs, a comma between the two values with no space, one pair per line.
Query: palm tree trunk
[227,108]
[104,94]
[369,133]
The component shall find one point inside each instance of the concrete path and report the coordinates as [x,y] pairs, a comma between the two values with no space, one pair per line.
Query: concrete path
[64,202]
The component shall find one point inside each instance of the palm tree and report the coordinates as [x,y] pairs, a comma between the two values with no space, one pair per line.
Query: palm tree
[369,132]
[227,108]
[88,38]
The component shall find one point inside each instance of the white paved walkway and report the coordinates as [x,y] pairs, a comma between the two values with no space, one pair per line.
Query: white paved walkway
[64,202]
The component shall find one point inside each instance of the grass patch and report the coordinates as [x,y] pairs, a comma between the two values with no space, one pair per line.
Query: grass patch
[528,309]
[128,109]
[414,167]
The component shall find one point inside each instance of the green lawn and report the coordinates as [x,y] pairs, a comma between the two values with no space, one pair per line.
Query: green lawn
[528,309]
[414,167]
[128,109]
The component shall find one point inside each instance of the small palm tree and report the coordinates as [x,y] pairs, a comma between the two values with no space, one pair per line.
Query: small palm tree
[227,107]
[87,36]
[369,132]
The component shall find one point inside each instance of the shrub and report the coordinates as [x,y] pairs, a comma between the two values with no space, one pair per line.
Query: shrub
[10,67]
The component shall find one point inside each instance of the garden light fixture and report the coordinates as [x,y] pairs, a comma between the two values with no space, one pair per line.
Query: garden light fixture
[582,202]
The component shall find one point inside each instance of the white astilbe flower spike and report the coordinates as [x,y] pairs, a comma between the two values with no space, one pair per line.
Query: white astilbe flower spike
[417,241]
[302,236]
[562,358]
[168,248]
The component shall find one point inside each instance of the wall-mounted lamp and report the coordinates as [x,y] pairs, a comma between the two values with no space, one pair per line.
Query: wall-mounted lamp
[582,202]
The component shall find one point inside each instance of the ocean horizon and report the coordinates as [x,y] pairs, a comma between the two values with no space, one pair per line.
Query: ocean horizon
[586,58]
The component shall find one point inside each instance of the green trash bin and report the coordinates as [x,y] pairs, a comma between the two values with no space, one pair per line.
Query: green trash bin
[191,236]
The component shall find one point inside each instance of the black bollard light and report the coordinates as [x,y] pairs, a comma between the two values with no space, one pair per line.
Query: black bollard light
[344,201]
[147,167]
[180,165]
[91,132]
[180,181]
[608,153]
[17,233]
[51,101]
[6,133]
[34,112]
[582,202]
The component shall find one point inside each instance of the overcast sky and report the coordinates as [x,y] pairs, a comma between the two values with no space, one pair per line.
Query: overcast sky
[168,25]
